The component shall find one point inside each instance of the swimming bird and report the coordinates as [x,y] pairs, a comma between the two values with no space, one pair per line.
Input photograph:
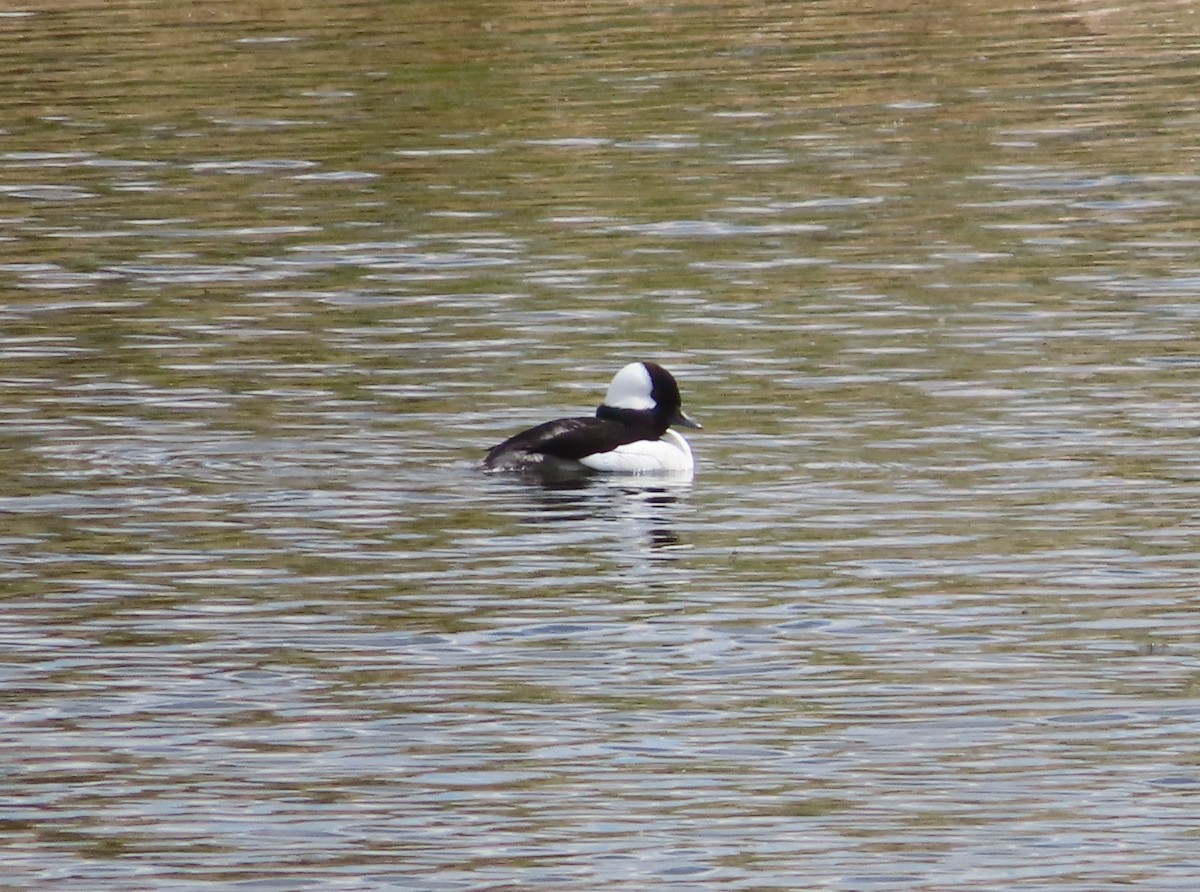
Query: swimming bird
[629,434]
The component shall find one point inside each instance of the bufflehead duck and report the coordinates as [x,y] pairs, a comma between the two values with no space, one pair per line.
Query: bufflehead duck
[628,434]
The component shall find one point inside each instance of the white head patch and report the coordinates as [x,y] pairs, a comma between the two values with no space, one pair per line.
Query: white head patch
[630,388]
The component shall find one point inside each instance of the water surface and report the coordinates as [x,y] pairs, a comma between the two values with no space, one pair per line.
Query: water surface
[273,279]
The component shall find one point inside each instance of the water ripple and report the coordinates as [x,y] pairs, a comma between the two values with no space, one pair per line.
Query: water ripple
[924,619]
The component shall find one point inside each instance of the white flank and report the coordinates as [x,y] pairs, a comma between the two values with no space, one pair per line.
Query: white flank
[668,455]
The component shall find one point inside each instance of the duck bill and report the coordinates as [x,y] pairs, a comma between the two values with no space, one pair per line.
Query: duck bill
[682,419]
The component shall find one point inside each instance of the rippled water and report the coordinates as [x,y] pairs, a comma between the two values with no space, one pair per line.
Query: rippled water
[274,277]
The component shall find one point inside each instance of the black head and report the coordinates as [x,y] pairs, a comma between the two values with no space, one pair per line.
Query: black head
[644,393]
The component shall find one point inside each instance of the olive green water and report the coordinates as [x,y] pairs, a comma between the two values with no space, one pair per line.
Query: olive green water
[272,276]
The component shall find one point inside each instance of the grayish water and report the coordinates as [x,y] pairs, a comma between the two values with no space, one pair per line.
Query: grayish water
[274,276]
